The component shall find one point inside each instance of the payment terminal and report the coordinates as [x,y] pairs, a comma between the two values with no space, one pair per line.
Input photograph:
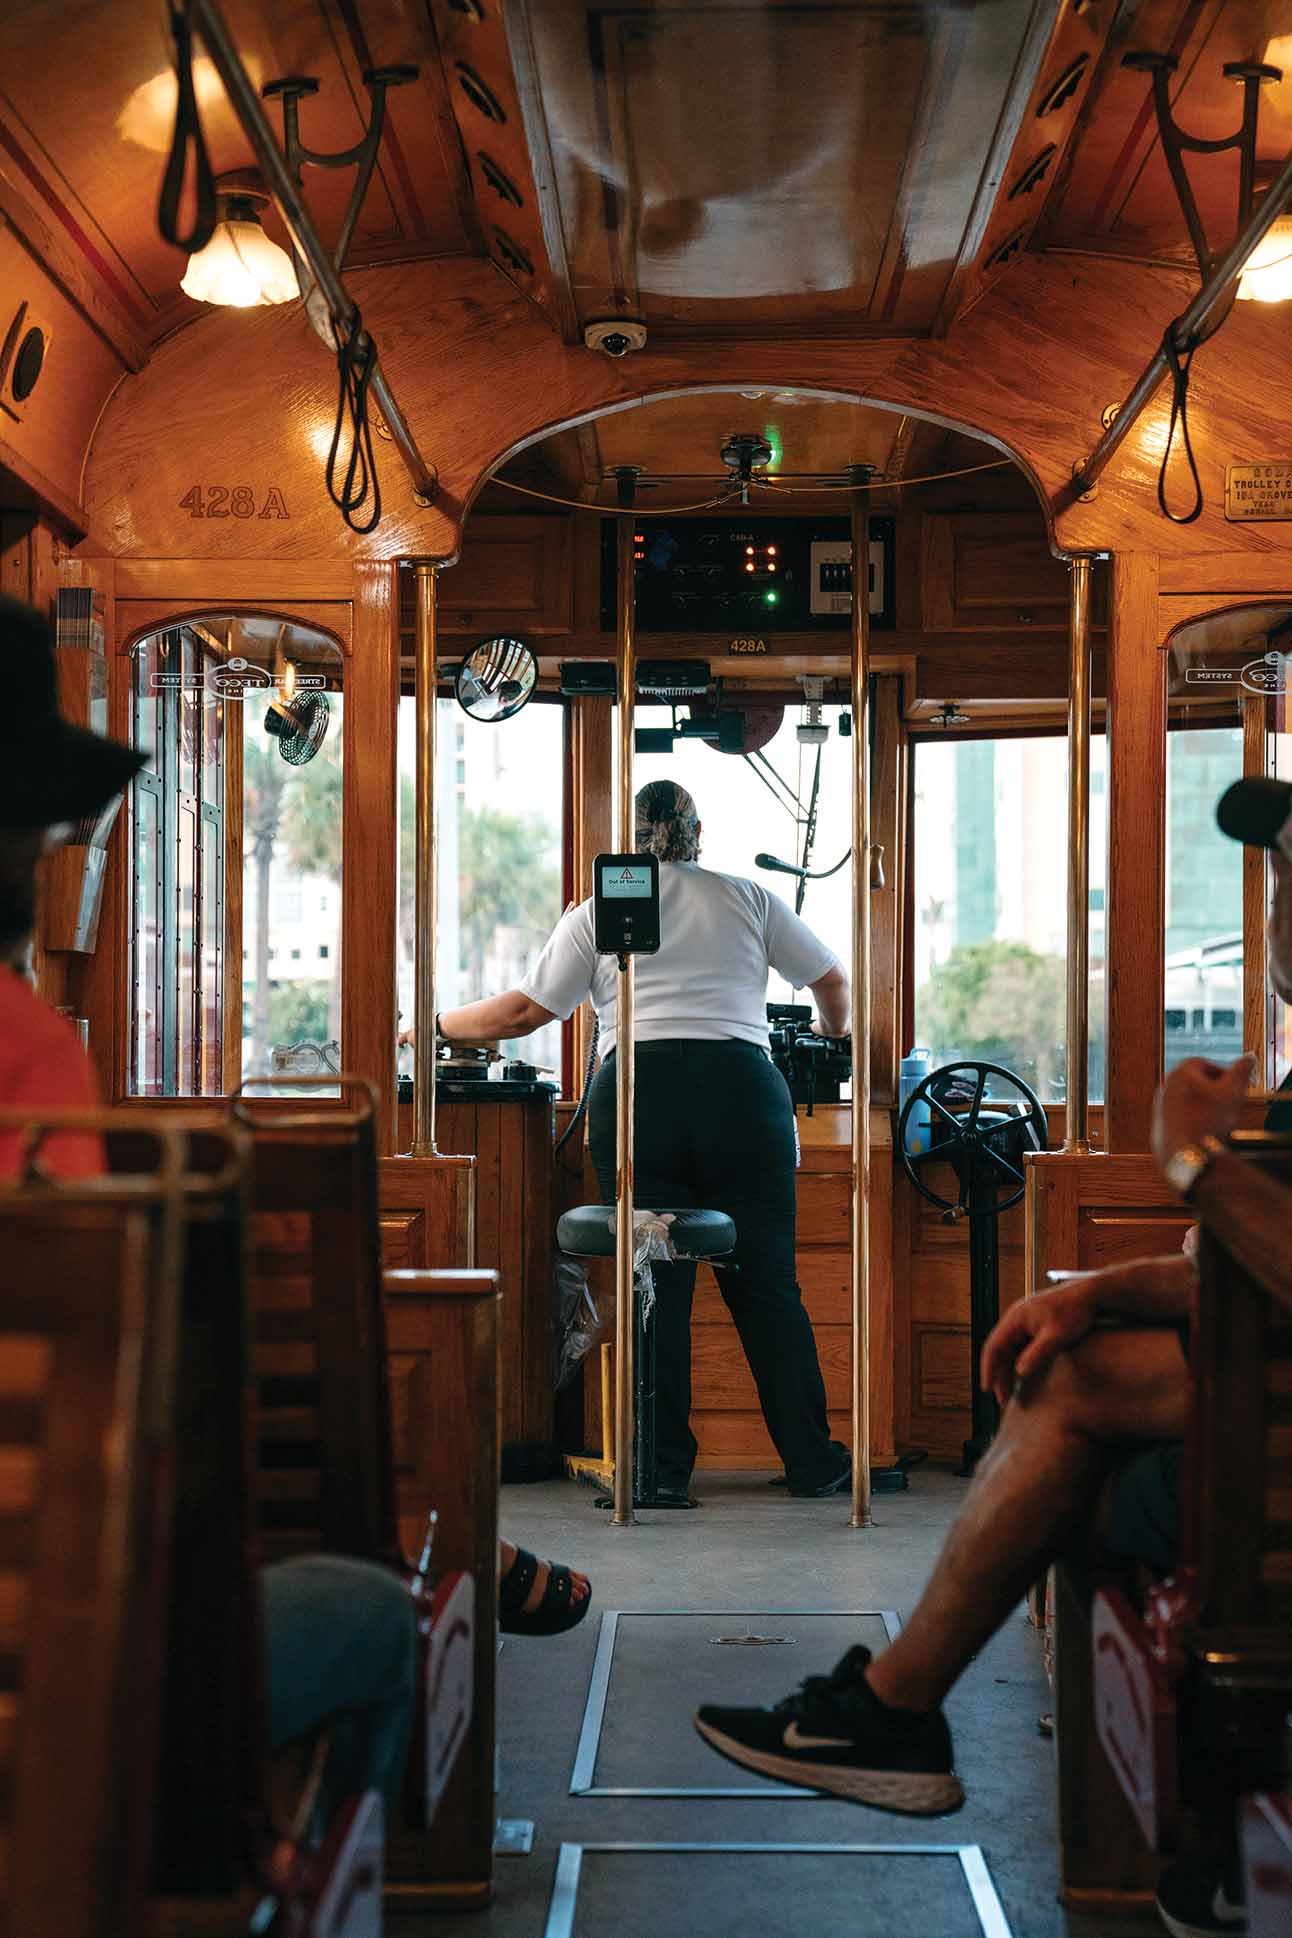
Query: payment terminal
[625,903]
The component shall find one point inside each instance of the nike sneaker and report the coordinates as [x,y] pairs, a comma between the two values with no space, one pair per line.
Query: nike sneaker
[1199,1896]
[834,1734]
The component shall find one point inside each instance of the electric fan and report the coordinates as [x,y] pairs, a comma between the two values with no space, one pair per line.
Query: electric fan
[299,725]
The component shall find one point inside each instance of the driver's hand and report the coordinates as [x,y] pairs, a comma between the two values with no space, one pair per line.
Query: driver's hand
[819,1029]
[1033,1332]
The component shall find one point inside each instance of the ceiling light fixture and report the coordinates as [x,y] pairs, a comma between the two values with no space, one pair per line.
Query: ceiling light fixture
[240,268]
[1267,273]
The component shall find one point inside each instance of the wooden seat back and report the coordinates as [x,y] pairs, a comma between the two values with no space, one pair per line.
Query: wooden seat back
[1239,1475]
[88,1310]
[324,1475]
[209,1765]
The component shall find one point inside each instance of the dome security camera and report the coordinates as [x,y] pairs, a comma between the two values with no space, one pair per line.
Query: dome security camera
[616,335]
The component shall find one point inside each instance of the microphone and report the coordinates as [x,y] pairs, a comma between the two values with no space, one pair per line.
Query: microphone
[1258,811]
[778,867]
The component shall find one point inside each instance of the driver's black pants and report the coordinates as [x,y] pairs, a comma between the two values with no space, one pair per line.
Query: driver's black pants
[714,1127]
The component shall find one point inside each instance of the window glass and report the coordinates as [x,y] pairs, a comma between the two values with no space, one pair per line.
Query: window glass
[990,844]
[1204,898]
[499,805]
[759,805]
[232,843]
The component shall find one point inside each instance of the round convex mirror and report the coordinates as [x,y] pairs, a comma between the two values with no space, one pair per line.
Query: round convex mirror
[496,679]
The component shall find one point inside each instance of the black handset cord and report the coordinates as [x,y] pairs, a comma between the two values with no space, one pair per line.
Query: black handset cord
[188,130]
[356,359]
[588,1070]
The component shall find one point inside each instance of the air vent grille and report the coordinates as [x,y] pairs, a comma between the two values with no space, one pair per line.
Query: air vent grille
[479,94]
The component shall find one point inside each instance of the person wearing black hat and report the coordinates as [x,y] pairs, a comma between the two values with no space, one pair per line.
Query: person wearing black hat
[52,773]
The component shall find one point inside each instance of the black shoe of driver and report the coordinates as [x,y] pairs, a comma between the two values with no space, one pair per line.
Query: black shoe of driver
[838,1484]
[1195,1899]
[835,1735]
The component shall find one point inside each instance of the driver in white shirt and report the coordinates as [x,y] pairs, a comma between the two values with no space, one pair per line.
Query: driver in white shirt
[713,1119]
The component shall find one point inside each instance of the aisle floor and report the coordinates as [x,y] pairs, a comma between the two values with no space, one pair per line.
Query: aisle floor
[747,1551]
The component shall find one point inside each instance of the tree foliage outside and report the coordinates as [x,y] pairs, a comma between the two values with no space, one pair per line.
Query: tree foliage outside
[508,880]
[299,1013]
[312,814]
[1003,1002]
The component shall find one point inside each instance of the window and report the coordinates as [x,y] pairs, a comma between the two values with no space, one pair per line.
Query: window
[1204,898]
[499,838]
[230,841]
[990,844]
[178,840]
[758,806]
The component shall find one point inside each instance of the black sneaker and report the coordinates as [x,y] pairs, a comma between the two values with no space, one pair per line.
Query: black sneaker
[1195,1899]
[836,1735]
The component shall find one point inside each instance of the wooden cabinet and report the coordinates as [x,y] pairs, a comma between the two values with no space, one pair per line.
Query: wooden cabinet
[511,1142]
[725,1416]
[514,576]
[990,572]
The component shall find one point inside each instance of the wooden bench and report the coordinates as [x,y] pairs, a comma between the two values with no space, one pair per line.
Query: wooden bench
[88,1302]
[1084,1213]
[227,1811]
[376,1400]
[1208,1664]
[1192,1690]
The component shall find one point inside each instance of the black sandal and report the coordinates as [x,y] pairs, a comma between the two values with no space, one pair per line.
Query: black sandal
[558,1609]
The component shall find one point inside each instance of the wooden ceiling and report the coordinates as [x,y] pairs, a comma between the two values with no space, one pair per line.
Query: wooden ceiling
[675,444]
[794,168]
[87,97]
[1118,198]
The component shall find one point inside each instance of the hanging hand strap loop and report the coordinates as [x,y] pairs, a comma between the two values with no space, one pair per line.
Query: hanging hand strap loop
[1180,364]
[188,129]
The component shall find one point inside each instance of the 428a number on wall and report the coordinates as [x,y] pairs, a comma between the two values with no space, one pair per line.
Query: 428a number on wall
[232,501]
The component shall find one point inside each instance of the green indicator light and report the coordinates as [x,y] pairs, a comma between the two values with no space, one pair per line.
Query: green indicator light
[771,597]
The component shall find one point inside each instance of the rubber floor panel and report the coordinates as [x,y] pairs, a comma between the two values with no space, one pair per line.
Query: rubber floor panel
[853,1891]
[653,1670]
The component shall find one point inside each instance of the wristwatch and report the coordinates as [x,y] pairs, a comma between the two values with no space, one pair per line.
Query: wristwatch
[1183,1169]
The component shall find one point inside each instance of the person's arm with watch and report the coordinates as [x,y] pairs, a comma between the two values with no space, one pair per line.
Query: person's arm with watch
[1196,1109]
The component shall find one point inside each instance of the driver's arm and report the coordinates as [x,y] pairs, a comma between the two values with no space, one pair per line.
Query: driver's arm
[833,1000]
[492,1019]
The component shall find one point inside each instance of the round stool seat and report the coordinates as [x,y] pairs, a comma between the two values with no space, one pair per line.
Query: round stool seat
[588,1231]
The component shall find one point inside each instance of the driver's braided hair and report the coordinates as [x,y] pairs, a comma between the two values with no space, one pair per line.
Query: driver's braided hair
[668,825]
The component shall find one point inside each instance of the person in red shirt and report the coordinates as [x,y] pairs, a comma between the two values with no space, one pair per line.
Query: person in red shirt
[52,774]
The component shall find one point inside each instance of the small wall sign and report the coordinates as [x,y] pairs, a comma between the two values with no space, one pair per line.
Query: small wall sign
[1258,491]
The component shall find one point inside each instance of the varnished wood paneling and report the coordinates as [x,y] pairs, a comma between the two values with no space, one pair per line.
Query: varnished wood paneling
[1136,877]
[369,865]
[513,576]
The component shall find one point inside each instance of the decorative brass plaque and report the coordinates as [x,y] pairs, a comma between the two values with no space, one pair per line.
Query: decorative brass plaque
[1258,491]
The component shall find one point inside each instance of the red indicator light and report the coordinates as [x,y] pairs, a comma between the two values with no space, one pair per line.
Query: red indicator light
[771,551]
[771,568]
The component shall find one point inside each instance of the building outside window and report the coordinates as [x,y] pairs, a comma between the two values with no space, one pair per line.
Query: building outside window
[990,846]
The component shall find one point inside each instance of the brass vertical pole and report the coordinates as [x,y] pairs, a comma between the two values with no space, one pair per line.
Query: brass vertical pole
[625,827]
[860,503]
[1077,1110]
[426,910]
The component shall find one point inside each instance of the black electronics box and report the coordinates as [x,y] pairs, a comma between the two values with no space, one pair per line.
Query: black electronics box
[583,677]
[748,576]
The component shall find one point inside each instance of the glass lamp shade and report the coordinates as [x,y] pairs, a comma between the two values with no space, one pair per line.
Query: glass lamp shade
[1267,273]
[240,268]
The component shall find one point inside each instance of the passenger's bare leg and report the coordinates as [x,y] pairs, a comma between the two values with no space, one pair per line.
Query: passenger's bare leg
[1031,1492]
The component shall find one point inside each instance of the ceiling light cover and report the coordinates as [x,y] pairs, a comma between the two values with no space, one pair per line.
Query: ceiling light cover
[1267,273]
[240,268]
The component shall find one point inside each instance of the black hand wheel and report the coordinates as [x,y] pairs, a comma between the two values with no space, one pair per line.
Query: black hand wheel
[989,1146]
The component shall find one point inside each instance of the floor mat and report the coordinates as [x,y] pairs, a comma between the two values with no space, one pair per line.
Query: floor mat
[732,1890]
[652,1671]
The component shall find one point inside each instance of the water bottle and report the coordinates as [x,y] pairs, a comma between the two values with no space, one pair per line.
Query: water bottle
[911,1073]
